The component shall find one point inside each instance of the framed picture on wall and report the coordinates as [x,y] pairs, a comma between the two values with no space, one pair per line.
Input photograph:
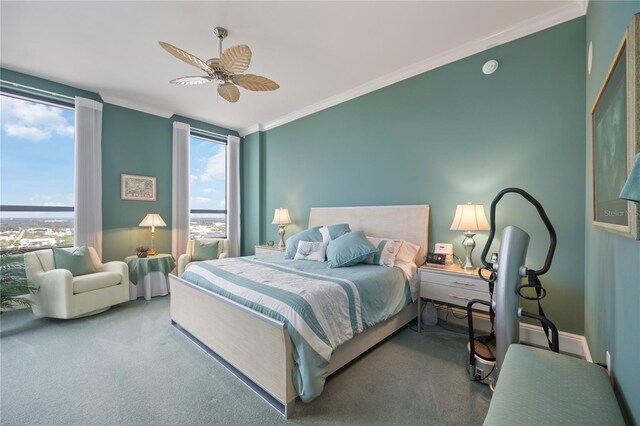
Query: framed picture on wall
[615,139]
[138,188]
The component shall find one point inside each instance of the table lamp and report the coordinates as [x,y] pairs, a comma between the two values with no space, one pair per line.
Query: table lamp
[152,220]
[631,189]
[469,217]
[281,217]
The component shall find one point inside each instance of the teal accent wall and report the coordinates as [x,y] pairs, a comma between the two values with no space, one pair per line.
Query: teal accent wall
[202,125]
[445,137]
[136,143]
[612,283]
[133,142]
[48,85]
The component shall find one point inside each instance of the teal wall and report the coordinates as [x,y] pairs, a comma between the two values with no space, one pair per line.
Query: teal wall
[133,142]
[446,137]
[139,144]
[612,286]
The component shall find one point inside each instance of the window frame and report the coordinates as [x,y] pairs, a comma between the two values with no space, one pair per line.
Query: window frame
[56,101]
[221,140]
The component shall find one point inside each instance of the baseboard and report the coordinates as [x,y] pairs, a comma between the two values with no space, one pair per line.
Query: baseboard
[569,343]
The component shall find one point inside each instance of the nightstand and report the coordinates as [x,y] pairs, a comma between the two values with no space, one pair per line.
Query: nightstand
[264,249]
[148,275]
[453,285]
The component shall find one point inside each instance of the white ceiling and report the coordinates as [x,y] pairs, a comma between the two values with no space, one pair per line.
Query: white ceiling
[321,53]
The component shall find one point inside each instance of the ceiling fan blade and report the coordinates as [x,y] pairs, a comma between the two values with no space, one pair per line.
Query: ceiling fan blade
[185,56]
[255,82]
[236,59]
[189,81]
[229,91]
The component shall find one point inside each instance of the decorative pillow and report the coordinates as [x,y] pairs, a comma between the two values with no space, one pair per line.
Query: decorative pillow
[332,232]
[386,253]
[311,234]
[408,252]
[308,250]
[349,249]
[204,250]
[78,261]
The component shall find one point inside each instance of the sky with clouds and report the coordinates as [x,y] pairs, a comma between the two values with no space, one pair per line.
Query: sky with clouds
[208,166]
[36,159]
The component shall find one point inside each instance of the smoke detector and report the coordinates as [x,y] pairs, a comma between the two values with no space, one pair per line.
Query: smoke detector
[490,67]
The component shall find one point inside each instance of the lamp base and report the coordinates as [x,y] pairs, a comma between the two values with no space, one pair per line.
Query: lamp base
[469,244]
[152,252]
[281,233]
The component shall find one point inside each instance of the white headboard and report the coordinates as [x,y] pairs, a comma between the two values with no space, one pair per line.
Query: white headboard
[409,223]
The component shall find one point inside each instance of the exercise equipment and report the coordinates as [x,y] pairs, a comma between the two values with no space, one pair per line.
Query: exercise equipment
[506,271]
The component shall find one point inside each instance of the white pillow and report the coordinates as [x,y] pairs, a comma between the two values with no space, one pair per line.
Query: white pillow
[387,251]
[408,252]
[326,237]
[309,250]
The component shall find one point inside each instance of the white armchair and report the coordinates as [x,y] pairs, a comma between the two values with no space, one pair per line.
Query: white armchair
[61,295]
[185,259]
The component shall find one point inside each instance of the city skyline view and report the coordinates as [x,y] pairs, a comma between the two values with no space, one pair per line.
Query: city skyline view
[37,170]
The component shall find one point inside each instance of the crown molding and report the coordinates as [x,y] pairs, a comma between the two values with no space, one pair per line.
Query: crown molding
[127,103]
[584,5]
[251,129]
[529,26]
[153,110]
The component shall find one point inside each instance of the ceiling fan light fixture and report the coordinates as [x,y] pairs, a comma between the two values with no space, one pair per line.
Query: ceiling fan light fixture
[226,71]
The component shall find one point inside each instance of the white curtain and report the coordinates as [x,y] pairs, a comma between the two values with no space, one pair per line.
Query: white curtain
[233,195]
[180,189]
[88,174]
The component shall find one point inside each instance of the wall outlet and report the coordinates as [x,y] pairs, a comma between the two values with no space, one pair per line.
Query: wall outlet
[608,363]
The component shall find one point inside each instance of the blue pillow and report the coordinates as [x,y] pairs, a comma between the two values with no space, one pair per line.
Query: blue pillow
[78,261]
[349,249]
[332,232]
[311,234]
[204,250]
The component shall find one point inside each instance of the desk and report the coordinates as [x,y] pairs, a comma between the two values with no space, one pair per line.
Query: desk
[148,275]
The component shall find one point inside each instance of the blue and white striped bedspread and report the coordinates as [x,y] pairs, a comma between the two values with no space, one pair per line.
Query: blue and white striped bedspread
[321,307]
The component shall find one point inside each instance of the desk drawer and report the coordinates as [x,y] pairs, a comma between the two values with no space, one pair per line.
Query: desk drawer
[455,295]
[471,282]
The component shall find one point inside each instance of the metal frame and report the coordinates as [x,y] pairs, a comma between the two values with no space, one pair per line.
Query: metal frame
[212,137]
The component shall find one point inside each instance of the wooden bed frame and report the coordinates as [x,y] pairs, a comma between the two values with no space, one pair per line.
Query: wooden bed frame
[257,348]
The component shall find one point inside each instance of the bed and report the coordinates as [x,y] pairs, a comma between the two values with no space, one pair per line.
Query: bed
[258,348]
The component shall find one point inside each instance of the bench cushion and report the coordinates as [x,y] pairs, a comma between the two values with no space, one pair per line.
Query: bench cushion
[541,387]
[91,282]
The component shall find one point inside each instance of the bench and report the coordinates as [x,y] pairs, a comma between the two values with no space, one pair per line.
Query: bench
[540,387]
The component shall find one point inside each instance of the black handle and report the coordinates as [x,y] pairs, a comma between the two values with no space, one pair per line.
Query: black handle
[555,345]
[472,346]
[541,213]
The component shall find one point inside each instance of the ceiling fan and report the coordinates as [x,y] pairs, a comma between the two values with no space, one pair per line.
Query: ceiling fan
[226,71]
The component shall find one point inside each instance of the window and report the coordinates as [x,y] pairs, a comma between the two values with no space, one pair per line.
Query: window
[208,181]
[37,172]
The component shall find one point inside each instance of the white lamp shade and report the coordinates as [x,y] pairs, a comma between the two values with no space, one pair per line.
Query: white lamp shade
[470,217]
[152,219]
[281,217]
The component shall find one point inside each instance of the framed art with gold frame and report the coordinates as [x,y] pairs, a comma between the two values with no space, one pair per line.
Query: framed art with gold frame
[137,188]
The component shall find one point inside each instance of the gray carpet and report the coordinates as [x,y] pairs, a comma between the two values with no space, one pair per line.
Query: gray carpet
[130,366]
